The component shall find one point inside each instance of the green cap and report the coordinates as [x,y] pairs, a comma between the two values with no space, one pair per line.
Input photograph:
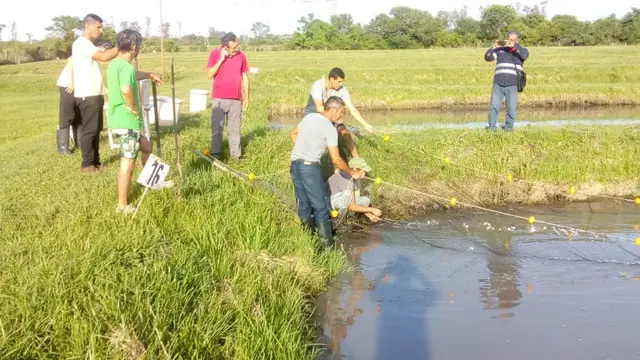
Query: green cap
[359,163]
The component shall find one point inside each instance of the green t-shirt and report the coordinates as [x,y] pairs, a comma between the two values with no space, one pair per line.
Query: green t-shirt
[120,73]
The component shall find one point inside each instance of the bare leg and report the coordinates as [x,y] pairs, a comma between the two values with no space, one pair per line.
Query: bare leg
[145,149]
[124,180]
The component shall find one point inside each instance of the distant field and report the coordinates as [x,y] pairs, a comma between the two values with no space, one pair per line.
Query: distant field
[220,270]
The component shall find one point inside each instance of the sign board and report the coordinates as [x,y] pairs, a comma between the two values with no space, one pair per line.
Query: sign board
[154,172]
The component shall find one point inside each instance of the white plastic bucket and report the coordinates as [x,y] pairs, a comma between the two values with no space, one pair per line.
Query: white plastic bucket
[197,100]
[165,112]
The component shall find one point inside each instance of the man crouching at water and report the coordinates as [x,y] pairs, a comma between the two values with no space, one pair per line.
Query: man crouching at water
[345,192]
[315,134]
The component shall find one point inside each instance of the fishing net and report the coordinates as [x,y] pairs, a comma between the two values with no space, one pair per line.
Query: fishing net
[458,225]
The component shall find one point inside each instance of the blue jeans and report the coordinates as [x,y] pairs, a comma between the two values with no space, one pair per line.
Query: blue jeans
[510,94]
[309,190]
[311,197]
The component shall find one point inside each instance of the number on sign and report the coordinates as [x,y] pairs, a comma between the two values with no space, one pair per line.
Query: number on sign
[154,179]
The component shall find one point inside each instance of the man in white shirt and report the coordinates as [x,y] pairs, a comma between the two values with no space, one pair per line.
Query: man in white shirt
[89,89]
[321,90]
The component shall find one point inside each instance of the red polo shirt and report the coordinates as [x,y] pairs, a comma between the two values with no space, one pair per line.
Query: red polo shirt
[227,83]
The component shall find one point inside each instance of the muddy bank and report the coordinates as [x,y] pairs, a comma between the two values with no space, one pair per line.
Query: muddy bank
[436,195]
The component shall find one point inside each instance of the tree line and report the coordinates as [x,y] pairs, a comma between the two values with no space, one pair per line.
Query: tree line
[402,28]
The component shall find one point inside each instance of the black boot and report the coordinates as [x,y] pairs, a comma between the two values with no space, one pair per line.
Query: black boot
[325,232]
[62,140]
[309,224]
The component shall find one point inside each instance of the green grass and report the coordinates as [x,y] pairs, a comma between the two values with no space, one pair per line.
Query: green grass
[216,269]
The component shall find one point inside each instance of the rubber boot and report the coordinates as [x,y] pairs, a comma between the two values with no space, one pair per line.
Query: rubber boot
[309,224]
[325,232]
[62,140]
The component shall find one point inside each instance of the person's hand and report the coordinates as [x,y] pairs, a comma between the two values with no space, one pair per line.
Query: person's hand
[69,89]
[156,79]
[495,44]
[245,103]
[358,174]
[370,129]
[224,53]
[509,44]
[134,112]
[377,212]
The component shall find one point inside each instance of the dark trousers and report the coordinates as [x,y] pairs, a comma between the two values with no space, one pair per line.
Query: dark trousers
[92,122]
[68,116]
[311,197]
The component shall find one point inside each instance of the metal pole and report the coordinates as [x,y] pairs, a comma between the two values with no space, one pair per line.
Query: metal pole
[175,127]
[161,41]
[157,117]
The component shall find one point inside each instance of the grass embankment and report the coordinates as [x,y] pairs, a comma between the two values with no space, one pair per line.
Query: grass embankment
[220,270]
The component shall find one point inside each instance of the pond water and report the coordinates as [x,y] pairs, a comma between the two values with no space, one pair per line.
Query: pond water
[476,285]
[465,118]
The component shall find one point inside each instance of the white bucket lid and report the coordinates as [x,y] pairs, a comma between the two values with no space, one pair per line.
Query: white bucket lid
[198,92]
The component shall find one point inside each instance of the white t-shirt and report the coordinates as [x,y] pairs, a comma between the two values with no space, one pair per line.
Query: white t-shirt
[320,92]
[86,71]
[64,80]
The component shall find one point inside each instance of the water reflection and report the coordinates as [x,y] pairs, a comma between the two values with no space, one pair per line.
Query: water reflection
[338,316]
[500,291]
[403,327]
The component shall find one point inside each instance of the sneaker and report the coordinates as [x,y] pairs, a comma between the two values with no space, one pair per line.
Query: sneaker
[125,210]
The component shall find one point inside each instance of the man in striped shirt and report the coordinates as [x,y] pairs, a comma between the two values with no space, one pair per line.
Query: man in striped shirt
[509,58]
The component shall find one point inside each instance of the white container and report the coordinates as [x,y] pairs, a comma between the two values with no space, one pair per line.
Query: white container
[197,100]
[253,70]
[165,112]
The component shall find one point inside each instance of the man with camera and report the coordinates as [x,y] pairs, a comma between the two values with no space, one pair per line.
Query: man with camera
[509,57]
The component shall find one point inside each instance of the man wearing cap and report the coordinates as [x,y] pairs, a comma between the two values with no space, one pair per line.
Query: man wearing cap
[313,136]
[345,192]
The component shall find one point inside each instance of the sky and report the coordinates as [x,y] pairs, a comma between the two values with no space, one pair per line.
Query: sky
[281,15]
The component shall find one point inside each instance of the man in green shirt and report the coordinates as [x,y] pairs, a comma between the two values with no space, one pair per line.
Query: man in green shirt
[125,118]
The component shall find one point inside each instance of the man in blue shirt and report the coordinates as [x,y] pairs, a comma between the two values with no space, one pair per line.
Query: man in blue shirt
[509,59]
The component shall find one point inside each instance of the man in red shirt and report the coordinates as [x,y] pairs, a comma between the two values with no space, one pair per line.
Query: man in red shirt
[228,68]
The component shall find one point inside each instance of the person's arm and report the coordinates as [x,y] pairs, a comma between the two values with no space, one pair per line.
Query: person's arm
[316,94]
[490,55]
[245,83]
[127,96]
[142,75]
[70,88]
[126,80]
[339,163]
[356,114]
[520,52]
[104,55]
[216,58]
[293,135]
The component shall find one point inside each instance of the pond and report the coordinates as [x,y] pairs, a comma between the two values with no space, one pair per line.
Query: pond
[465,118]
[475,285]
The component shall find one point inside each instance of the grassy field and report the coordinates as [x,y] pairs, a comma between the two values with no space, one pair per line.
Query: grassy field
[216,269]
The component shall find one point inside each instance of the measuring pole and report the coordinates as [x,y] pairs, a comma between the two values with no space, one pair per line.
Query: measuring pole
[157,117]
[175,127]
[145,114]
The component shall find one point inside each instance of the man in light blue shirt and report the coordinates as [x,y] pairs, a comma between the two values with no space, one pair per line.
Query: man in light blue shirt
[313,136]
